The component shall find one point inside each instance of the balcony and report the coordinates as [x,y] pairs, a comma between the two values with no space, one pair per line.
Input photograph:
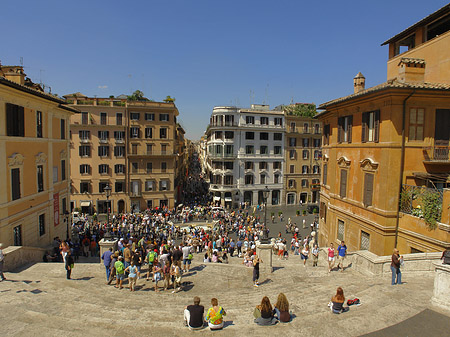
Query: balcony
[438,154]
[103,141]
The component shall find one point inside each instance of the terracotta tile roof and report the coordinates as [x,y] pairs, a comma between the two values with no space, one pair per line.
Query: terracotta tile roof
[410,60]
[392,84]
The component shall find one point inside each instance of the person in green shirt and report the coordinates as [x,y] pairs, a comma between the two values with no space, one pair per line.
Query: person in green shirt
[120,272]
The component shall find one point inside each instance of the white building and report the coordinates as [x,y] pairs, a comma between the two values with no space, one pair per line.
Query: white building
[245,153]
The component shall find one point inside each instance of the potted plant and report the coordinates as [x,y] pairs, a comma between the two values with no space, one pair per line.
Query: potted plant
[304,212]
[297,212]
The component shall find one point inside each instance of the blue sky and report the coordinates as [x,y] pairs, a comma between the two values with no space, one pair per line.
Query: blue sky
[205,52]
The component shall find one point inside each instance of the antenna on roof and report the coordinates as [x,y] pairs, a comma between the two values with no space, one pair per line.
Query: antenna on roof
[21,61]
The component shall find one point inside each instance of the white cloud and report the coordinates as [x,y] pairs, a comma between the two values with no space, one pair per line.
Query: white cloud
[103,87]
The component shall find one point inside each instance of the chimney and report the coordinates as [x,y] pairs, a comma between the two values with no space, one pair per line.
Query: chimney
[359,83]
[14,74]
[411,70]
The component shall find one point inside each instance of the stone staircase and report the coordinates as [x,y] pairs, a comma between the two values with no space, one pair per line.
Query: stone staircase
[39,301]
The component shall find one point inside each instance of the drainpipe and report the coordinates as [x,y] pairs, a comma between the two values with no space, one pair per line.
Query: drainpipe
[402,165]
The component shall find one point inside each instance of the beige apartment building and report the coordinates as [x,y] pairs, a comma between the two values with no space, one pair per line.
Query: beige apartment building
[34,174]
[302,155]
[131,146]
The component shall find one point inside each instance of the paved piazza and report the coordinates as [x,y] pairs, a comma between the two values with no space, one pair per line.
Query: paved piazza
[39,301]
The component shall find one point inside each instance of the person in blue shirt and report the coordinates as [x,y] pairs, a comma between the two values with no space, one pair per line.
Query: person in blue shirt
[106,257]
[342,252]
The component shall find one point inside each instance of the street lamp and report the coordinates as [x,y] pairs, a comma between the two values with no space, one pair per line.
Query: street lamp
[266,192]
[107,190]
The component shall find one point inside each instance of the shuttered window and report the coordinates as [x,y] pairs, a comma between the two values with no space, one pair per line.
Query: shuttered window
[416,124]
[343,184]
[365,241]
[341,230]
[368,189]
[325,172]
[345,129]
[15,122]
[15,183]
[370,126]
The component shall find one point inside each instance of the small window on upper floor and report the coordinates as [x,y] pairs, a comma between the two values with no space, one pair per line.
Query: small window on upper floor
[134,116]
[163,117]
[264,121]
[249,119]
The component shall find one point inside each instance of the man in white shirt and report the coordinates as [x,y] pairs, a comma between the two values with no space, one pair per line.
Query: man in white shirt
[186,261]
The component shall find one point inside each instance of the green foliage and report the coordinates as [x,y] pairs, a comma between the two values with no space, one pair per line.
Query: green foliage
[298,212]
[169,99]
[432,208]
[137,96]
[304,212]
[304,110]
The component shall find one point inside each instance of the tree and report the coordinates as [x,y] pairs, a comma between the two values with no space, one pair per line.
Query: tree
[304,109]
[169,99]
[137,96]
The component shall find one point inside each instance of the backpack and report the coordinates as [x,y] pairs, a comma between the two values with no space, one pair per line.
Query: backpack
[151,256]
[119,267]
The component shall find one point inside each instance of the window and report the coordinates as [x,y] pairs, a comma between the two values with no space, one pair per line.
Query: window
[292,127]
[416,123]
[249,179]
[370,126]
[278,121]
[325,171]
[249,149]
[264,121]
[84,118]
[228,180]
[119,186]
[262,179]
[277,136]
[103,169]
[15,120]
[305,128]
[248,165]
[264,136]
[134,116]
[103,136]
[149,185]
[291,198]
[229,134]
[149,167]
[15,183]
[317,154]
[41,222]
[149,204]
[55,174]
[103,151]
[228,165]
[148,132]
[85,187]
[39,124]
[229,120]
[164,185]
[119,118]
[317,129]
[163,167]
[305,169]
[343,184]
[305,142]
[149,148]
[263,165]
[218,135]
[250,120]
[305,154]
[163,133]
[134,167]
[316,169]
[365,241]
[368,189]
[263,149]
[84,135]
[277,149]
[119,151]
[102,185]
[17,232]
[63,170]
[63,129]
[326,134]
[40,178]
[119,169]
[163,117]
[119,136]
[292,154]
[103,118]
[218,149]
[84,151]
[291,168]
[316,142]
[291,183]
[345,129]
[276,178]
[134,148]
[149,117]
[228,150]
[277,165]
[163,148]
[292,142]
[85,169]
[249,135]
[134,132]
[304,182]
[341,230]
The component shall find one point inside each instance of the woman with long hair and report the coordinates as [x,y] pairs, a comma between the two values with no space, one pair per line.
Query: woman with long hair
[282,308]
[264,313]
[337,301]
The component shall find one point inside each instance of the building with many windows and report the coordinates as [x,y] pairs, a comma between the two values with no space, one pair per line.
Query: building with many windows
[386,164]
[245,153]
[34,183]
[135,147]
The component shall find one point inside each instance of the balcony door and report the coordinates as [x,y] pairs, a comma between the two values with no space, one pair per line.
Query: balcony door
[442,134]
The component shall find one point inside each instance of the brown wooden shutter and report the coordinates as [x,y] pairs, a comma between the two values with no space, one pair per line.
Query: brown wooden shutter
[377,126]
[350,123]
[325,171]
[340,125]
[368,189]
[343,184]
[365,116]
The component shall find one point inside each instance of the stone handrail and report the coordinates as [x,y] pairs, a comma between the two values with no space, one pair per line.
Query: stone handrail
[18,256]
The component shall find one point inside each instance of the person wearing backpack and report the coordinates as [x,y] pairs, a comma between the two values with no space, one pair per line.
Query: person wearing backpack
[120,272]
[151,258]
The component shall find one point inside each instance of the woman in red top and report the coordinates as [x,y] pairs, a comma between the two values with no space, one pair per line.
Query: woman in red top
[331,258]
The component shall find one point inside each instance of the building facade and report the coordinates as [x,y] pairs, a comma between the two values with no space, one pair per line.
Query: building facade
[385,163]
[245,153]
[34,183]
[135,147]
[303,159]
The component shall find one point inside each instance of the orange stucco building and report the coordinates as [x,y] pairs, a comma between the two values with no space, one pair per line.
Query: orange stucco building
[386,164]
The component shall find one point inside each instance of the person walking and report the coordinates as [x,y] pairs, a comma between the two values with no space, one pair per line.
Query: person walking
[106,257]
[2,259]
[342,252]
[256,262]
[331,258]
[69,264]
[315,254]
[395,268]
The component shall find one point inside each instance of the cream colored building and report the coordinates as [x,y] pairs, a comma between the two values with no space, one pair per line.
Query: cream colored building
[34,146]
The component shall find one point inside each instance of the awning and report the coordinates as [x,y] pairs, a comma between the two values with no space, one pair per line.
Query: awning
[228,199]
[85,204]
[216,198]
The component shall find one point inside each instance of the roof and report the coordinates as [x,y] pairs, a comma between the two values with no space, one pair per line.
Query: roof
[410,60]
[391,84]
[77,94]
[428,19]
